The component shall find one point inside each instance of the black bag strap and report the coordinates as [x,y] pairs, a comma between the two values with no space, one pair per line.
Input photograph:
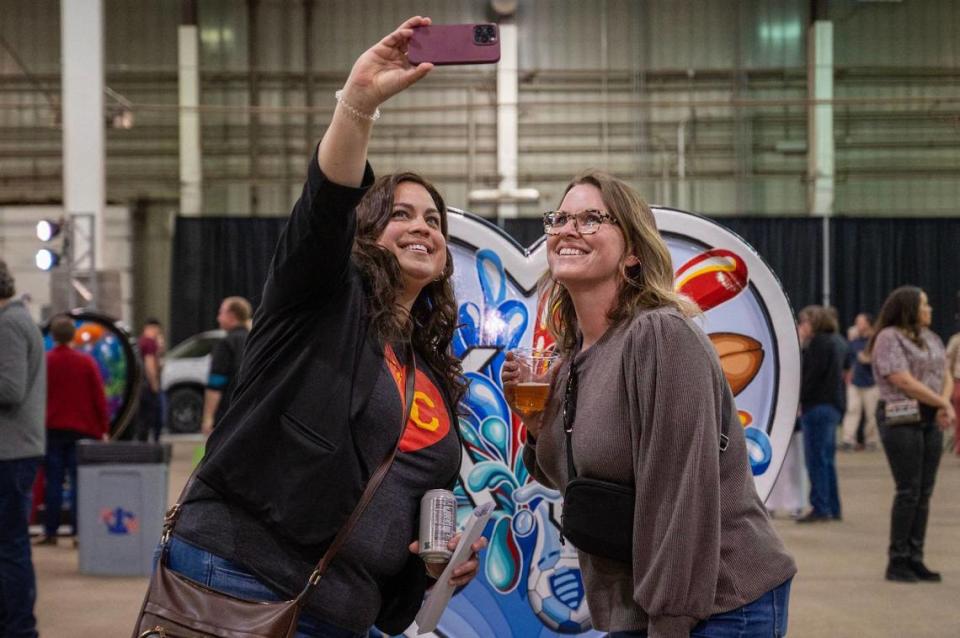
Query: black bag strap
[569,414]
[170,519]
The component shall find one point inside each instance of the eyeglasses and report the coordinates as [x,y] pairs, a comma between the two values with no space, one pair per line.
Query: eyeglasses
[585,222]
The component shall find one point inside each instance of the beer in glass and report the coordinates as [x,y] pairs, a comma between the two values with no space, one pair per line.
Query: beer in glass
[529,395]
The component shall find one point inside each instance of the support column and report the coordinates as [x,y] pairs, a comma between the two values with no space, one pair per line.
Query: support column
[820,156]
[507,131]
[253,84]
[188,75]
[84,141]
[683,189]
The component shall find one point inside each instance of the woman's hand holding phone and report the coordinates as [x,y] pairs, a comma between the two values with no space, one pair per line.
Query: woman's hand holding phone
[383,70]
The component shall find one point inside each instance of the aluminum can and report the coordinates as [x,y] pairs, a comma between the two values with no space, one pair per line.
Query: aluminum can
[438,523]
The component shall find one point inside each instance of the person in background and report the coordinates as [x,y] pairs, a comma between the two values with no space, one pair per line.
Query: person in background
[150,414]
[233,317]
[76,409]
[910,366]
[953,364]
[862,392]
[23,397]
[821,406]
[642,391]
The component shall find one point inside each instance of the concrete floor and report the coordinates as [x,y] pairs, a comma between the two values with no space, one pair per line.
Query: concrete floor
[839,592]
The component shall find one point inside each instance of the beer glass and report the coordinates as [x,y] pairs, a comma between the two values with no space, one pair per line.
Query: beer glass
[528,395]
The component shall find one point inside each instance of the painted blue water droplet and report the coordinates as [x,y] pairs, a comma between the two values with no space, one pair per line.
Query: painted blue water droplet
[502,566]
[497,434]
[485,398]
[490,474]
[493,279]
[514,314]
[469,317]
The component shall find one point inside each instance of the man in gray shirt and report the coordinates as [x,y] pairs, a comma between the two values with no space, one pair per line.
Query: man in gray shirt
[23,396]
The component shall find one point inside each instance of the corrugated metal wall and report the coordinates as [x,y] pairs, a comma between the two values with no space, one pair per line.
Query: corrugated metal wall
[607,83]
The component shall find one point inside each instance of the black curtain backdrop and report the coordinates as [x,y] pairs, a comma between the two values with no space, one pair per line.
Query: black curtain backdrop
[214,257]
[873,256]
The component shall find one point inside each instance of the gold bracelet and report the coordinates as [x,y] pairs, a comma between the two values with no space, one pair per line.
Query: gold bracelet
[354,112]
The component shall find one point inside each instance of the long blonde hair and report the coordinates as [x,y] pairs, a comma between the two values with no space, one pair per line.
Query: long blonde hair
[648,284]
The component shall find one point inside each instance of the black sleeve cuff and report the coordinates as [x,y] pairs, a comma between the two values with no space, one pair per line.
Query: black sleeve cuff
[333,193]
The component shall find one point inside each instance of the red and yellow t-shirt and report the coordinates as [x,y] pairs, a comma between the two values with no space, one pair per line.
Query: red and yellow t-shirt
[429,421]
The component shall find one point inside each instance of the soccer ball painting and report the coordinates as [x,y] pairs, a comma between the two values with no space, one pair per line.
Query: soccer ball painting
[556,594]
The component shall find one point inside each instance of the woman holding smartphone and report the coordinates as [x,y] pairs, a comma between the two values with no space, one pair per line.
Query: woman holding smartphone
[359,284]
[648,407]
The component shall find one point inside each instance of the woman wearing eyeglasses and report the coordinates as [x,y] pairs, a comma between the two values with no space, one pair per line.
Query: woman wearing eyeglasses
[647,408]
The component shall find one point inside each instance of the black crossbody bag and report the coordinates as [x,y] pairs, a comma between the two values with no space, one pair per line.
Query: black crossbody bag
[597,515]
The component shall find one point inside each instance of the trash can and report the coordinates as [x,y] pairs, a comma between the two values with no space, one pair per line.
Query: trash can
[121,499]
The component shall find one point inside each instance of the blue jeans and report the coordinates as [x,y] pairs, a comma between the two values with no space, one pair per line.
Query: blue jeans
[18,585]
[766,617]
[819,425]
[61,460]
[227,577]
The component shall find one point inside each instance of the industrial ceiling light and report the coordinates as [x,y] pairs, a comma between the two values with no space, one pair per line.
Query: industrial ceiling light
[46,259]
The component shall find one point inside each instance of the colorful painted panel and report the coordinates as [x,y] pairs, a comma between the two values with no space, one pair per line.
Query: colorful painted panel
[104,339]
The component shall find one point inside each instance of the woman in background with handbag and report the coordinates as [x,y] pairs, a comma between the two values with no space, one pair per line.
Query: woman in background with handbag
[346,380]
[910,367]
[642,437]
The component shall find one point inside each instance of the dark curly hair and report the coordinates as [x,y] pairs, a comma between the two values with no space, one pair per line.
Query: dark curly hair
[433,317]
[900,310]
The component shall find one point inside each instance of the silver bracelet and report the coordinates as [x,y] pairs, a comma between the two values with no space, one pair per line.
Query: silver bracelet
[354,111]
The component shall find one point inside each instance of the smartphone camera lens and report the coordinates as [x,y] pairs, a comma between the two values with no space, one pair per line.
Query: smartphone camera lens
[484,34]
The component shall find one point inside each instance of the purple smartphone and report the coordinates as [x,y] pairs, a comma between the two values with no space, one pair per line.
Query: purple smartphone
[455,44]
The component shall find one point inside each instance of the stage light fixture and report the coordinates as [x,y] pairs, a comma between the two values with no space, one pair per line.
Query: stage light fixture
[46,259]
[47,229]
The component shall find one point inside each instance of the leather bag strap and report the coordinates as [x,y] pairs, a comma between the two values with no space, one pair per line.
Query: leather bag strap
[170,519]
[375,479]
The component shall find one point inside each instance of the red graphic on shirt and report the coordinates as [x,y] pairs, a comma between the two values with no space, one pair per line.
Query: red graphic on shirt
[429,421]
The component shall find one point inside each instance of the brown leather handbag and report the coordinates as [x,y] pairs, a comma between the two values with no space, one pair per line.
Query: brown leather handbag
[177,607]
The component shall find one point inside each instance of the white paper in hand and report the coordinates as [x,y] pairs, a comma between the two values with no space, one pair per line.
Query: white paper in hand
[439,595]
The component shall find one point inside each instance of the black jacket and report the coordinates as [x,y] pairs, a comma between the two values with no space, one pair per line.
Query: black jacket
[822,372]
[285,450]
